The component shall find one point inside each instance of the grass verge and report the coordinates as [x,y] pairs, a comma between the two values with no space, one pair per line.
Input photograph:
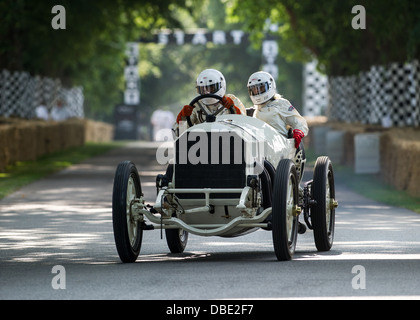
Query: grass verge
[23,173]
[371,186]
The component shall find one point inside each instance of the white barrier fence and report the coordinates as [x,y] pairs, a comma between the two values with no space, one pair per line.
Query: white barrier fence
[21,94]
[386,95]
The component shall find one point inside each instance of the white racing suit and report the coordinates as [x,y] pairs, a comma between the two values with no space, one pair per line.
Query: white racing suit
[279,113]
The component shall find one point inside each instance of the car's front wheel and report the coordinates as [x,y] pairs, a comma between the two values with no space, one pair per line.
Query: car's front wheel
[285,210]
[128,232]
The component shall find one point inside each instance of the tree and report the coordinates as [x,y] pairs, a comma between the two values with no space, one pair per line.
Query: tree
[323,31]
[168,73]
[89,52]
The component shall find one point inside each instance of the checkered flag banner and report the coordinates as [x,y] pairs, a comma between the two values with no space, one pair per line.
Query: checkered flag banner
[315,91]
[16,90]
[21,93]
[387,95]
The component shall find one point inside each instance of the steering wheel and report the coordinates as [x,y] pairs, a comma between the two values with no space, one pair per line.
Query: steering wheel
[210,116]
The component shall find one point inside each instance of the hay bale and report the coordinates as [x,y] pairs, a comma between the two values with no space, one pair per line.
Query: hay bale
[25,132]
[413,186]
[11,145]
[24,140]
[98,131]
[76,132]
[400,158]
[54,137]
[41,139]
[6,138]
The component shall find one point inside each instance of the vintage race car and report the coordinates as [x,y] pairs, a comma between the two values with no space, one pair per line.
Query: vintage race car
[230,175]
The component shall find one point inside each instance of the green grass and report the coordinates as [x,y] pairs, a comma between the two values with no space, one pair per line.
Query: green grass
[23,173]
[370,185]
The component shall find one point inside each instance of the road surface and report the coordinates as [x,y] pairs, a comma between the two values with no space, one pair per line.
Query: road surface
[56,242]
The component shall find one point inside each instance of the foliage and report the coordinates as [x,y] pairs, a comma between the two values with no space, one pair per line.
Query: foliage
[174,85]
[168,73]
[323,30]
[89,51]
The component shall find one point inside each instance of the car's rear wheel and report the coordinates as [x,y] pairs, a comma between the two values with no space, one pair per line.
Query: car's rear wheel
[128,232]
[323,213]
[285,210]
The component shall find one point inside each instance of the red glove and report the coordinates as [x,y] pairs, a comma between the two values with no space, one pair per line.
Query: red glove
[185,112]
[237,110]
[297,135]
[228,103]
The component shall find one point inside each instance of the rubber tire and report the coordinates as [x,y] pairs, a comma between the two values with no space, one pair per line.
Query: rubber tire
[284,247]
[323,234]
[176,239]
[127,252]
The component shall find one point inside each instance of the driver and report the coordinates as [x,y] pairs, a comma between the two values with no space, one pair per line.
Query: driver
[211,81]
[273,109]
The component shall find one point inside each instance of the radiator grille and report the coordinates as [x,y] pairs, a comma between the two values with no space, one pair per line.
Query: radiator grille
[220,163]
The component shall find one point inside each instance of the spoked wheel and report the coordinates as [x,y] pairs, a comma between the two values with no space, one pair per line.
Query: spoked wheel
[176,239]
[128,233]
[323,213]
[285,210]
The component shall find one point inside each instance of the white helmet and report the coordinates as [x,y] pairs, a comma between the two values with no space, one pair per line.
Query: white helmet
[261,87]
[211,81]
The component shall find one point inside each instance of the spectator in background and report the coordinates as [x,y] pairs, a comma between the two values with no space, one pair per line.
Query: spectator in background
[41,112]
[59,112]
[162,121]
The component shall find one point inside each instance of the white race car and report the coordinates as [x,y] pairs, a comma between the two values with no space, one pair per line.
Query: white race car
[230,175]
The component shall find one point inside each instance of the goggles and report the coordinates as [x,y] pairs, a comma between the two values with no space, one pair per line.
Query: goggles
[257,89]
[209,89]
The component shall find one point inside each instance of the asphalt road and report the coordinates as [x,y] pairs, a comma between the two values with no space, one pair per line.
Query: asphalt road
[56,242]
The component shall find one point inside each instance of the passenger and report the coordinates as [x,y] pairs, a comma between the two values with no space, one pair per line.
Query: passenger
[273,109]
[210,81]
[278,112]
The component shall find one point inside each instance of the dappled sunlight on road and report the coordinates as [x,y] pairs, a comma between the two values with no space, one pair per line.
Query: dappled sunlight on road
[51,225]
[37,245]
[67,217]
